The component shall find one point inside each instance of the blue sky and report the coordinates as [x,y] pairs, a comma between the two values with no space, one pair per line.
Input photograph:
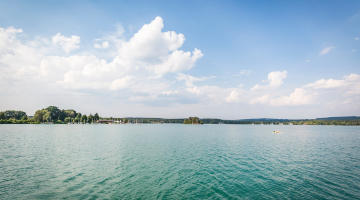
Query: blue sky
[230,60]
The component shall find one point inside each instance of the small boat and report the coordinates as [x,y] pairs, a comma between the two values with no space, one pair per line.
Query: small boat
[276,132]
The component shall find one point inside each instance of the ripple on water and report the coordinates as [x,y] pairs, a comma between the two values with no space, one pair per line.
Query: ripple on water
[179,162]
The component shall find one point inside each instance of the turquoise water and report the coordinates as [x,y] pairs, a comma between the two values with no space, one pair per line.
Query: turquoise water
[179,162]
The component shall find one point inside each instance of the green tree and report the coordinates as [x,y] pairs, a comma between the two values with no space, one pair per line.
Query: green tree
[70,113]
[67,119]
[62,115]
[96,116]
[12,114]
[83,118]
[47,116]
[90,118]
[2,115]
[39,115]
[55,112]
[193,120]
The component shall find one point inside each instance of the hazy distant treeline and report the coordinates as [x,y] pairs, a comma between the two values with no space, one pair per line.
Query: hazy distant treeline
[60,116]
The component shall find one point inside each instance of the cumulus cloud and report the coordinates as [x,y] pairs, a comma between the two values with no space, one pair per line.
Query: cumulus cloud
[189,80]
[67,43]
[325,51]
[149,54]
[136,71]
[261,100]
[157,51]
[176,62]
[299,97]
[137,67]
[350,85]
[103,45]
[8,39]
[274,79]
[150,44]
[122,83]
[216,94]
[233,97]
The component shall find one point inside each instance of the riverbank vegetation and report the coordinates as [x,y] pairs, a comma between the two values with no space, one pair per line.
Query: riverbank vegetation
[341,122]
[54,115]
[51,114]
[193,120]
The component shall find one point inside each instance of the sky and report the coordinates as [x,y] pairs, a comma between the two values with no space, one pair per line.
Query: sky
[175,59]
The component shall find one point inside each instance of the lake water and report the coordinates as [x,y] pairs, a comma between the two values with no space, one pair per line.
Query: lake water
[179,162]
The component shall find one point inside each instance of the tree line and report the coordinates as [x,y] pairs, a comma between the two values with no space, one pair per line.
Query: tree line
[340,122]
[12,114]
[60,116]
[50,114]
[54,114]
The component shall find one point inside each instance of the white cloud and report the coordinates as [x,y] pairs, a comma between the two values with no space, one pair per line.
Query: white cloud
[8,39]
[189,80]
[103,45]
[274,79]
[150,44]
[133,75]
[346,101]
[233,97]
[176,62]
[244,72]
[158,51]
[207,90]
[170,92]
[261,100]
[67,44]
[356,38]
[308,61]
[216,94]
[122,83]
[325,51]
[350,85]
[299,97]
[150,54]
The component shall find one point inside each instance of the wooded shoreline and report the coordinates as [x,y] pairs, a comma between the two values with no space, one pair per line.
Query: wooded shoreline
[54,115]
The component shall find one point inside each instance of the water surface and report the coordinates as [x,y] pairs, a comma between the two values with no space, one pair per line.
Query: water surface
[179,162]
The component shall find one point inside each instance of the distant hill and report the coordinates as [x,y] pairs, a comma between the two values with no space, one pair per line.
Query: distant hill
[269,119]
[287,120]
[340,118]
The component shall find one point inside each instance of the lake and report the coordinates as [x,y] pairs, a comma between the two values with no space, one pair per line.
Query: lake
[175,161]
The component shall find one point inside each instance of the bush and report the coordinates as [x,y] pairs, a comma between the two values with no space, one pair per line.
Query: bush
[58,122]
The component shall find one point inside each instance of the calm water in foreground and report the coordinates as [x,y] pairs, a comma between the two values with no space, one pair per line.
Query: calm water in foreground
[179,162]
